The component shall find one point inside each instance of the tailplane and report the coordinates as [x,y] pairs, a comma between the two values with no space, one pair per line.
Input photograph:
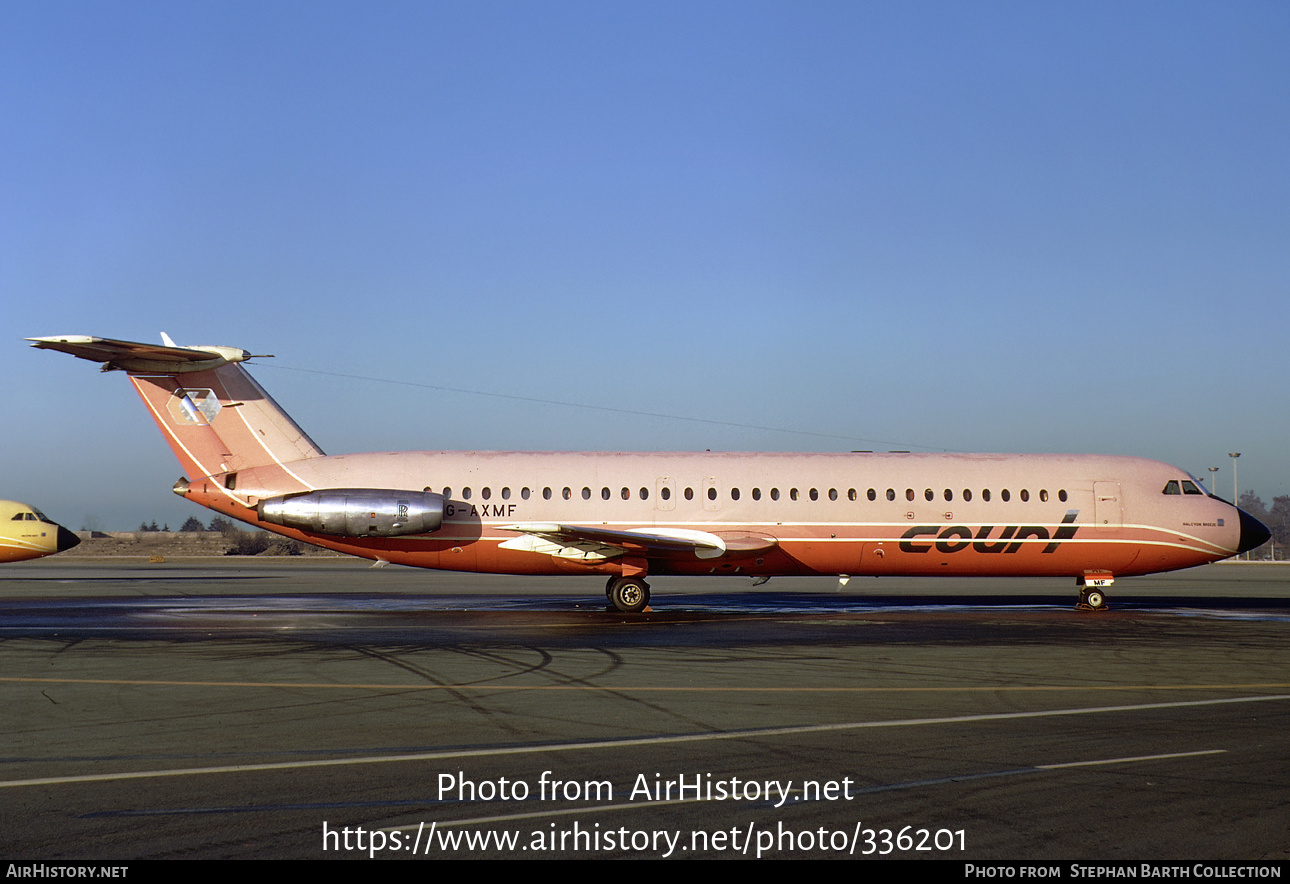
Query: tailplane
[214,415]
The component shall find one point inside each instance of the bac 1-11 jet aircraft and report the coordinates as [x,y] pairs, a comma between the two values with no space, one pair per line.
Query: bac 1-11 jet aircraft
[27,533]
[629,516]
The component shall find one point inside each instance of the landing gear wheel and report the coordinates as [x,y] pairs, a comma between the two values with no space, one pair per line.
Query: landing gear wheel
[609,587]
[1092,598]
[629,594]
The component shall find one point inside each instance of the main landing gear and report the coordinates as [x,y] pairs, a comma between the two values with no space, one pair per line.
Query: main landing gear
[1092,595]
[628,594]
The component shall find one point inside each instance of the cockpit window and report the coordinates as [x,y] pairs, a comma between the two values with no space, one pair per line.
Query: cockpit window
[1171,487]
[1189,487]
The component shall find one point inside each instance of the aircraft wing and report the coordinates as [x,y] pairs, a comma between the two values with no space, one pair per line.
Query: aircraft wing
[134,356]
[598,542]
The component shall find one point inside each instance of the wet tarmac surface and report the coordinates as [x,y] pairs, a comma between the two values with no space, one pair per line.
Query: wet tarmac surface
[215,709]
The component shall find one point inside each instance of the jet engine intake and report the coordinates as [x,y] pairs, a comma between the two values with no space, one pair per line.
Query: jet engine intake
[356,512]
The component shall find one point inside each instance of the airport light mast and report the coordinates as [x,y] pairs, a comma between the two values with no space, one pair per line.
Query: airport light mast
[1236,490]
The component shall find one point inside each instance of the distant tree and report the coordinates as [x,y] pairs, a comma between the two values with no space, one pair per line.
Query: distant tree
[192,525]
[221,524]
[143,526]
[153,526]
[1251,503]
[1279,520]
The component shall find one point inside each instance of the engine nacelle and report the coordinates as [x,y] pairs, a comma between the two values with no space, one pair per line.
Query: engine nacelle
[356,512]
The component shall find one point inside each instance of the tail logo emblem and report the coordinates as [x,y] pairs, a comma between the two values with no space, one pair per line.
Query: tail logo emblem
[197,406]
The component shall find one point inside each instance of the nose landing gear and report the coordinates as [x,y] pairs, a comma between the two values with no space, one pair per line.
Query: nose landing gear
[1092,596]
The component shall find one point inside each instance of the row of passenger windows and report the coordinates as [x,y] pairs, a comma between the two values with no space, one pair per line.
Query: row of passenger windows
[665,493]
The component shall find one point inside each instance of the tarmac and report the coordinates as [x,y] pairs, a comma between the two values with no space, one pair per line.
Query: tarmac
[319,708]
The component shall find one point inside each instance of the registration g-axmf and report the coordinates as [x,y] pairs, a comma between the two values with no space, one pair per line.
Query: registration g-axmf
[626,517]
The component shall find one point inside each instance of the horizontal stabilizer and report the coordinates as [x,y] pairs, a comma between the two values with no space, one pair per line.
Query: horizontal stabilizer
[137,357]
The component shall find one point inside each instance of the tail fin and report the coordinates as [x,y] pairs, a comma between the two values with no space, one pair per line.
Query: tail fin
[214,415]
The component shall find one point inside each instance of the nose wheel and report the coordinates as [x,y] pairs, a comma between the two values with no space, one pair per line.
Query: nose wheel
[1092,599]
[1092,593]
[628,594]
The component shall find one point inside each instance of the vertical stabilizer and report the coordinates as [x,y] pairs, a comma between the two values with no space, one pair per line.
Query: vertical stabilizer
[214,415]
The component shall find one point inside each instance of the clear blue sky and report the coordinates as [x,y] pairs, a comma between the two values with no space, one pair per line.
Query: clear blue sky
[968,226]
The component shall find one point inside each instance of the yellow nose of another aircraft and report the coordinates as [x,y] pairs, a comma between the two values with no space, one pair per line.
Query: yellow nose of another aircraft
[27,533]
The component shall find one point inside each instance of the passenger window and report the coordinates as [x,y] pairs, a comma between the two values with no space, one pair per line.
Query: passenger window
[851,494]
[891,493]
[967,493]
[566,493]
[486,493]
[712,494]
[833,494]
[949,495]
[586,493]
[1003,495]
[1025,495]
[985,495]
[1043,495]
[909,494]
[792,494]
[774,494]
[666,493]
[756,493]
[506,493]
[465,494]
[447,493]
[689,494]
[546,493]
[1061,495]
[1171,487]
[626,495]
[604,493]
[815,495]
[645,493]
[734,493]
[873,495]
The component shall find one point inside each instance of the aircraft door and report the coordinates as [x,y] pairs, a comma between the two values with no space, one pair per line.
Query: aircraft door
[1106,504]
[664,494]
[711,495]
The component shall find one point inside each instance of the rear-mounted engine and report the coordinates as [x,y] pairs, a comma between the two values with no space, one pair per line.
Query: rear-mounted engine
[356,512]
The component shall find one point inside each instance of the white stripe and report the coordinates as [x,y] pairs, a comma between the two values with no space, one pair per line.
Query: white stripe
[544,748]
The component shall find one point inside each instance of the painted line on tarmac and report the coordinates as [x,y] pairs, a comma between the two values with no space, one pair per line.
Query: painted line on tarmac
[583,810]
[672,739]
[632,689]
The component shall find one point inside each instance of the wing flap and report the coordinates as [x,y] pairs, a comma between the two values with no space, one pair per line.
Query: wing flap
[579,541]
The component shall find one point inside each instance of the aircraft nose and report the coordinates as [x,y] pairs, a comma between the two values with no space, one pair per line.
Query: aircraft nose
[67,540]
[1253,533]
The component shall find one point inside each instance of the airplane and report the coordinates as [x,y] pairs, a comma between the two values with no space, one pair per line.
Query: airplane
[27,533]
[629,516]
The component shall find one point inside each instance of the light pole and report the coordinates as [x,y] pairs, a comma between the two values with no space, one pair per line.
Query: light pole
[1236,490]
[1213,480]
